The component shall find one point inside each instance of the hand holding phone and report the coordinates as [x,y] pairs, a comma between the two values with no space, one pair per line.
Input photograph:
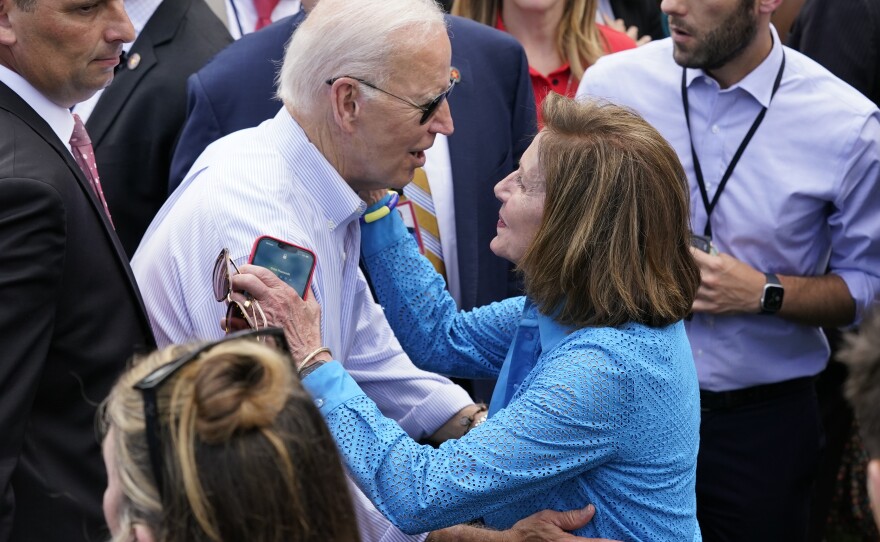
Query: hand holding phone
[293,264]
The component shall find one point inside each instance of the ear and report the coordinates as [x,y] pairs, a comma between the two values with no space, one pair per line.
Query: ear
[874,488]
[767,7]
[344,95]
[142,533]
[7,34]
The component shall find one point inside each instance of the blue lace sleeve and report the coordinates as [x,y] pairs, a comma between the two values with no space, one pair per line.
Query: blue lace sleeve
[424,316]
[568,420]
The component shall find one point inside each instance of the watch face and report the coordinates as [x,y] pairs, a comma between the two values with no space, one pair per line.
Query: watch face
[772,300]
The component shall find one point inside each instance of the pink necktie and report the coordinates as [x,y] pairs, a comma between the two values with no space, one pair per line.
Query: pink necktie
[264,12]
[81,144]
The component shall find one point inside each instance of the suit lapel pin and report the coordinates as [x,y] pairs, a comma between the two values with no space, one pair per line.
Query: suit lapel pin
[454,75]
[134,61]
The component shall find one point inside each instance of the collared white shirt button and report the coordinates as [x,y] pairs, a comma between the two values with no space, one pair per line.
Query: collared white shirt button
[715,129]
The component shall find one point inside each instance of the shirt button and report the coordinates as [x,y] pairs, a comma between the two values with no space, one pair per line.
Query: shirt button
[555,81]
[715,129]
[528,335]
[319,403]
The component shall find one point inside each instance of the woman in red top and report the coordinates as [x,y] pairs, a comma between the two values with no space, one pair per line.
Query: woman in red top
[561,38]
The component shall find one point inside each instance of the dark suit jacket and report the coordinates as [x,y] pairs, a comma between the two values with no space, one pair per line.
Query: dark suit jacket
[71,317]
[843,36]
[492,108]
[643,14]
[137,119]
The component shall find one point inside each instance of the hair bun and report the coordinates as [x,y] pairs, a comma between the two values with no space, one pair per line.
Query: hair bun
[238,387]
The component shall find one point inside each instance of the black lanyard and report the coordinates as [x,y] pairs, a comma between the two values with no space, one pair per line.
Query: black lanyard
[698,171]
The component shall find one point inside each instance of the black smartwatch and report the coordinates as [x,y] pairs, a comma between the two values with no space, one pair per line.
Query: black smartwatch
[771,298]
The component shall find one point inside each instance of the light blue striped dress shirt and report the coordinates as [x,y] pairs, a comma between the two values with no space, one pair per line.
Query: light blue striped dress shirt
[804,196]
[270,180]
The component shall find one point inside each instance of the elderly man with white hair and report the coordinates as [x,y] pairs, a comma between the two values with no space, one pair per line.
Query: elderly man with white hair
[364,86]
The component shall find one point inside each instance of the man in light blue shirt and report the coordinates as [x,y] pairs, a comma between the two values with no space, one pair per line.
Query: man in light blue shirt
[783,161]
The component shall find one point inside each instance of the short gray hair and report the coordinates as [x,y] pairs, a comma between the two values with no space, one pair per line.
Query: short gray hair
[351,37]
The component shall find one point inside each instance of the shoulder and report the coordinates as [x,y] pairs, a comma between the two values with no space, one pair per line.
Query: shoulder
[640,77]
[257,52]
[809,81]
[629,344]
[649,63]
[26,154]
[465,35]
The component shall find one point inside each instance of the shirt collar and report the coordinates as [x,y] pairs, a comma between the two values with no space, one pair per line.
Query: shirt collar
[58,118]
[551,331]
[758,82]
[339,203]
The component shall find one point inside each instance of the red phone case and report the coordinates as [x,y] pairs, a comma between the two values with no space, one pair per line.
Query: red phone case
[314,257]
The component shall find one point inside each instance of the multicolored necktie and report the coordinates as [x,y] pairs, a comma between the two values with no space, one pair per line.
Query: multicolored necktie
[419,193]
[81,145]
[264,12]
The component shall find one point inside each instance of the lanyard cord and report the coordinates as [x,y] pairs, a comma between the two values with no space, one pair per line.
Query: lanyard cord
[698,171]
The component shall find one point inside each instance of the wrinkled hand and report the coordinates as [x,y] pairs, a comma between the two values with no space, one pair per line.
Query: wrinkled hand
[727,285]
[632,31]
[551,526]
[284,308]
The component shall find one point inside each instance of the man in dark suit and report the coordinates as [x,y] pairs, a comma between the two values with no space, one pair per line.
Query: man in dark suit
[136,120]
[492,109]
[843,36]
[70,312]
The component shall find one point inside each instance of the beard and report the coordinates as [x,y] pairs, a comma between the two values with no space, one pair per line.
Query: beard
[716,47]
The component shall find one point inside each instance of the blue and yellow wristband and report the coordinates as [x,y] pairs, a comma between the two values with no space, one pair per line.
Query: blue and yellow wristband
[381,208]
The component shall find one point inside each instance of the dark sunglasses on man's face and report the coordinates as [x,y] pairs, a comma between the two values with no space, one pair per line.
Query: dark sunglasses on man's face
[427,110]
[150,383]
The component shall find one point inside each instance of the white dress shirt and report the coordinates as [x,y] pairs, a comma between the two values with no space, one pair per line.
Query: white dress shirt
[803,197]
[270,180]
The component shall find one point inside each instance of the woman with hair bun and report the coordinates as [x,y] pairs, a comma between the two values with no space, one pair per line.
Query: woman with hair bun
[220,442]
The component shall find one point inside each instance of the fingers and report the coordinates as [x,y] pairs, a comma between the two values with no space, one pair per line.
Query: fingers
[571,520]
[259,281]
[643,40]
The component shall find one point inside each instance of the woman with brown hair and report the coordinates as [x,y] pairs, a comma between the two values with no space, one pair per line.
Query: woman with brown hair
[220,442]
[561,38]
[597,398]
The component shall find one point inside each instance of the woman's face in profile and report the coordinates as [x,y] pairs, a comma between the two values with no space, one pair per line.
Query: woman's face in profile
[522,206]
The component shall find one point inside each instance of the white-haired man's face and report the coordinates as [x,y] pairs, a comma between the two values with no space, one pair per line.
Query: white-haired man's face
[389,139]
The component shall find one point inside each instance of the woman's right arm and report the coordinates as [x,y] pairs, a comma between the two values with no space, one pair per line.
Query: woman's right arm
[424,316]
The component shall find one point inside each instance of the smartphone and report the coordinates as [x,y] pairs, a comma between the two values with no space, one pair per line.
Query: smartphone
[701,242]
[293,264]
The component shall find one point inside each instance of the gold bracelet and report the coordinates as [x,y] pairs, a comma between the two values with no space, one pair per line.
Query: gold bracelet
[311,356]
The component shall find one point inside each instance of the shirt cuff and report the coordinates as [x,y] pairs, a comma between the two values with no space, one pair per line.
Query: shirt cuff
[863,289]
[331,386]
[381,234]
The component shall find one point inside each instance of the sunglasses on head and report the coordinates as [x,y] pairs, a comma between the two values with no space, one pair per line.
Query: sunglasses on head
[150,383]
[249,310]
[427,110]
